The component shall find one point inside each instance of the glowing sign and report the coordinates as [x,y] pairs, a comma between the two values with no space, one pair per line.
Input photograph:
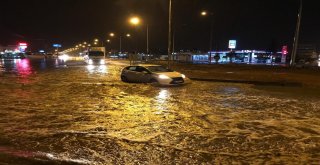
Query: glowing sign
[285,50]
[232,44]
[284,54]
[22,46]
[57,45]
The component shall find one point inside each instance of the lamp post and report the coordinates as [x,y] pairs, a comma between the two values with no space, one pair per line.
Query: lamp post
[135,21]
[296,37]
[170,35]
[120,38]
[210,15]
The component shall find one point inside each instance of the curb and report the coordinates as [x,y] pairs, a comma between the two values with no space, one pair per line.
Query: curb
[263,83]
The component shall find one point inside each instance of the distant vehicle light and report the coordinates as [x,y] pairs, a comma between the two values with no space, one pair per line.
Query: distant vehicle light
[183,76]
[64,57]
[163,77]
[90,62]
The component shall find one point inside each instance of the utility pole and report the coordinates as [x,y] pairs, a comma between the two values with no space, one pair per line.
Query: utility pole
[147,39]
[170,35]
[296,38]
[211,40]
[120,50]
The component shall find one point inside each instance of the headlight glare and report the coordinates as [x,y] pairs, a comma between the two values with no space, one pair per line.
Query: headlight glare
[164,76]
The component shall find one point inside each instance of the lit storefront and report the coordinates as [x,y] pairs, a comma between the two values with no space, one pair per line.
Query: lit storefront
[241,56]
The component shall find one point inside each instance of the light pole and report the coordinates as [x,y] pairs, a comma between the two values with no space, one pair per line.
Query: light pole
[120,38]
[136,21]
[205,14]
[170,34]
[296,38]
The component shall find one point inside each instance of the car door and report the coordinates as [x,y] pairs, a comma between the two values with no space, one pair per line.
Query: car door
[143,75]
[131,74]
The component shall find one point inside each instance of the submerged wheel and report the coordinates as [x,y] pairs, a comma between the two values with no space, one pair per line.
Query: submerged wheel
[124,79]
[154,82]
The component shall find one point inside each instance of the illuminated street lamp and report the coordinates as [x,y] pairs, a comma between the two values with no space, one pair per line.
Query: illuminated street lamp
[206,14]
[120,38]
[96,40]
[134,21]
[85,43]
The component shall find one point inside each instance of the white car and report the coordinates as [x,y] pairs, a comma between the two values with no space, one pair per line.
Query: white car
[156,74]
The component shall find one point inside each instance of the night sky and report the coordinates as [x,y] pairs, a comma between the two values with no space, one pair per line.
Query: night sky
[255,24]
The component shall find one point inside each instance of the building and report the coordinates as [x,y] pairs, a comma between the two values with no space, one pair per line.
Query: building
[238,56]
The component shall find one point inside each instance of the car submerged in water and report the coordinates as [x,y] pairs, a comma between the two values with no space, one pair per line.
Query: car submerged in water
[155,74]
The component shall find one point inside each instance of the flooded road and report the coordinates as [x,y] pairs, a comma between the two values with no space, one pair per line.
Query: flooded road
[51,113]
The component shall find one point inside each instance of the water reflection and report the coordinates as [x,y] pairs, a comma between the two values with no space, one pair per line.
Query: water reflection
[162,100]
[23,67]
[97,69]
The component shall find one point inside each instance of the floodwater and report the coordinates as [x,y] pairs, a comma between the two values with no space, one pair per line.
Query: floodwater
[52,113]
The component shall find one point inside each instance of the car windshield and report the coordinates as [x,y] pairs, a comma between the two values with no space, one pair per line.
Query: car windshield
[158,69]
[96,53]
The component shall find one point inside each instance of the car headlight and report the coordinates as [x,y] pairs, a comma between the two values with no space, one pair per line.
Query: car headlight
[90,62]
[183,76]
[164,76]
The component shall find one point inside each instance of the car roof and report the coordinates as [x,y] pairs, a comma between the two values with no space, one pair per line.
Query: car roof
[146,65]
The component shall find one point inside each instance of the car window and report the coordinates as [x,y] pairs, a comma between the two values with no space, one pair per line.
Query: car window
[141,69]
[132,68]
[159,69]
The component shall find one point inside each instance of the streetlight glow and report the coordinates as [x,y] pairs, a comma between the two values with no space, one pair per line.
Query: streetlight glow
[111,34]
[96,40]
[128,35]
[134,21]
[204,13]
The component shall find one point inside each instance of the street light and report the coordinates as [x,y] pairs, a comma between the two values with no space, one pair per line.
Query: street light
[120,38]
[170,34]
[206,14]
[134,21]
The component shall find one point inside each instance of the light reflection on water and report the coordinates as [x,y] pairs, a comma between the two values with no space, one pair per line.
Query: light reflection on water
[162,99]
[97,69]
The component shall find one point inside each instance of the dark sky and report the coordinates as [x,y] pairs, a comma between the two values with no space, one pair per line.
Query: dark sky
[255,24]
